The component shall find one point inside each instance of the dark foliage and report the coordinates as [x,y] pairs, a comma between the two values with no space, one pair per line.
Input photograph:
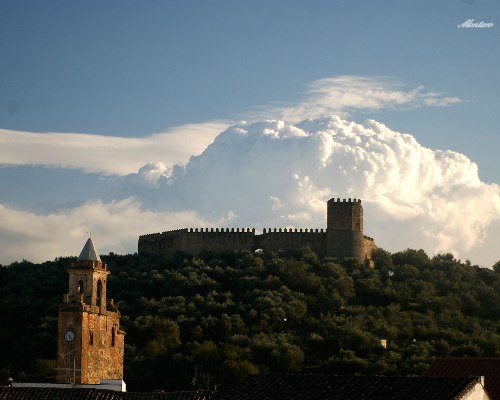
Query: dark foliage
[193,322]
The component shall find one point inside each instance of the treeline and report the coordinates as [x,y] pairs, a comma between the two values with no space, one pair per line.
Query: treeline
[197,322]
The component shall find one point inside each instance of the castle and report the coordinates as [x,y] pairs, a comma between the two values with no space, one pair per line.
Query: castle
[343,237]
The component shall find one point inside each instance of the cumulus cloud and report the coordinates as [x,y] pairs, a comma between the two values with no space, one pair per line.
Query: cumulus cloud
[122,155]
[106,154]
[115,227]
[343,94]
[268,173]
[274,174]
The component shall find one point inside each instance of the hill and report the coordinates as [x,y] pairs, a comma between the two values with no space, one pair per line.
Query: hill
[213,319]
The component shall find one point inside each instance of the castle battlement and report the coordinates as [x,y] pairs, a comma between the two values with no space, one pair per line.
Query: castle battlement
[165,234]
[343,236]
[221,230]
[346,201]
[291,230]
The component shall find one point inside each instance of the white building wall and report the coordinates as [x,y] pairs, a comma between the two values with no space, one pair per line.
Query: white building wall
[477,393]
[108,384]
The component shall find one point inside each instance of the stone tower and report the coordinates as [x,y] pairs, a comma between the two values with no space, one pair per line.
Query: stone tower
[90,343]
[345,229]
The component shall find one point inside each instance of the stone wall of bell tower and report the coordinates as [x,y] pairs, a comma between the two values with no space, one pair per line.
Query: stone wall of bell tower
[87,280]
[90,345]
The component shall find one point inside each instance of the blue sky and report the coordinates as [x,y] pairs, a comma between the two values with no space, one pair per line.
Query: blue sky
[130,70]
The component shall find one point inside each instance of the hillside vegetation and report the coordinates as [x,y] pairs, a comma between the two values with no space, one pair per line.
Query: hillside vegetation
[196,322]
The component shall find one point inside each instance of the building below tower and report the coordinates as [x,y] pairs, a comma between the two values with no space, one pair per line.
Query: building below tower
[343,237]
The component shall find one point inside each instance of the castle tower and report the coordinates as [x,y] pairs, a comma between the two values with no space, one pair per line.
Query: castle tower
[90,343]
[345,229]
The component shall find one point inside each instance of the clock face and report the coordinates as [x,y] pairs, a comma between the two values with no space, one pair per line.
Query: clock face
[69,336]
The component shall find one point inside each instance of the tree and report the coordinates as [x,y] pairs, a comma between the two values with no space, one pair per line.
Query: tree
[496,267]
[165,339]
[218,317]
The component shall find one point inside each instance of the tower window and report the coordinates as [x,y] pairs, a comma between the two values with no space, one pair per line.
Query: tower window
[91,338]
[99,293]
[79,287]
[113,336]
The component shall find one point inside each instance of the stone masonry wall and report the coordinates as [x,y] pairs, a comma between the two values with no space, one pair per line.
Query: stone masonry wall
[342,238]
[93,355]
[288,239]
[194,241]
[103,358]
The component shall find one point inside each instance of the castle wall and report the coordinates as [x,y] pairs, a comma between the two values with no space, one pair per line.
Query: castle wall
[342,238]
[369,246]
[345,243]
[163,243]
[194,241]
[288,239]
[219,239]
[345,229]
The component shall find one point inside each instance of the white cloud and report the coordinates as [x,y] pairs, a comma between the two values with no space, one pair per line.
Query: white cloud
[115,227]
[267,174]
[122,155]
[106,154]
[413,196]
[343,94]
[276,174]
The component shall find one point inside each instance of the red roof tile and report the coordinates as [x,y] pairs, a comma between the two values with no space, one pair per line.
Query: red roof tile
[280,387]
[36,393]
[322,387]
[463,367]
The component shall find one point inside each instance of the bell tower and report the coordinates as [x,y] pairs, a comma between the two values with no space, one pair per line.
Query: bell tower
[90,344]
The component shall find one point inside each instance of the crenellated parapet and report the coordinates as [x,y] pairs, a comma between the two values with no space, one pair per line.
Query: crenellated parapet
[292,230]
[343,236]
[346,201]
[196,240]
[221,230]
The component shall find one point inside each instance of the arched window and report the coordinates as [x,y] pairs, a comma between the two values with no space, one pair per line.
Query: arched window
[99,293]
[113,336]
[79,287]
[91,338]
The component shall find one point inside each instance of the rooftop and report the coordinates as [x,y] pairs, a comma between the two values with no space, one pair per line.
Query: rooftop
[284,387]
[319,387]
[33,393]
[88,252]
[470,366]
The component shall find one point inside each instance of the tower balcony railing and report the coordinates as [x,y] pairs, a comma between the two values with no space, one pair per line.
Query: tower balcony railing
[73,298]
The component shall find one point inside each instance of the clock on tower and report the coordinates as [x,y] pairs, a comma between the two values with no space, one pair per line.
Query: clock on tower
[90,343]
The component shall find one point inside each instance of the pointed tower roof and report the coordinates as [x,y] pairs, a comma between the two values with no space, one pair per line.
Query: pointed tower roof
[88,252]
